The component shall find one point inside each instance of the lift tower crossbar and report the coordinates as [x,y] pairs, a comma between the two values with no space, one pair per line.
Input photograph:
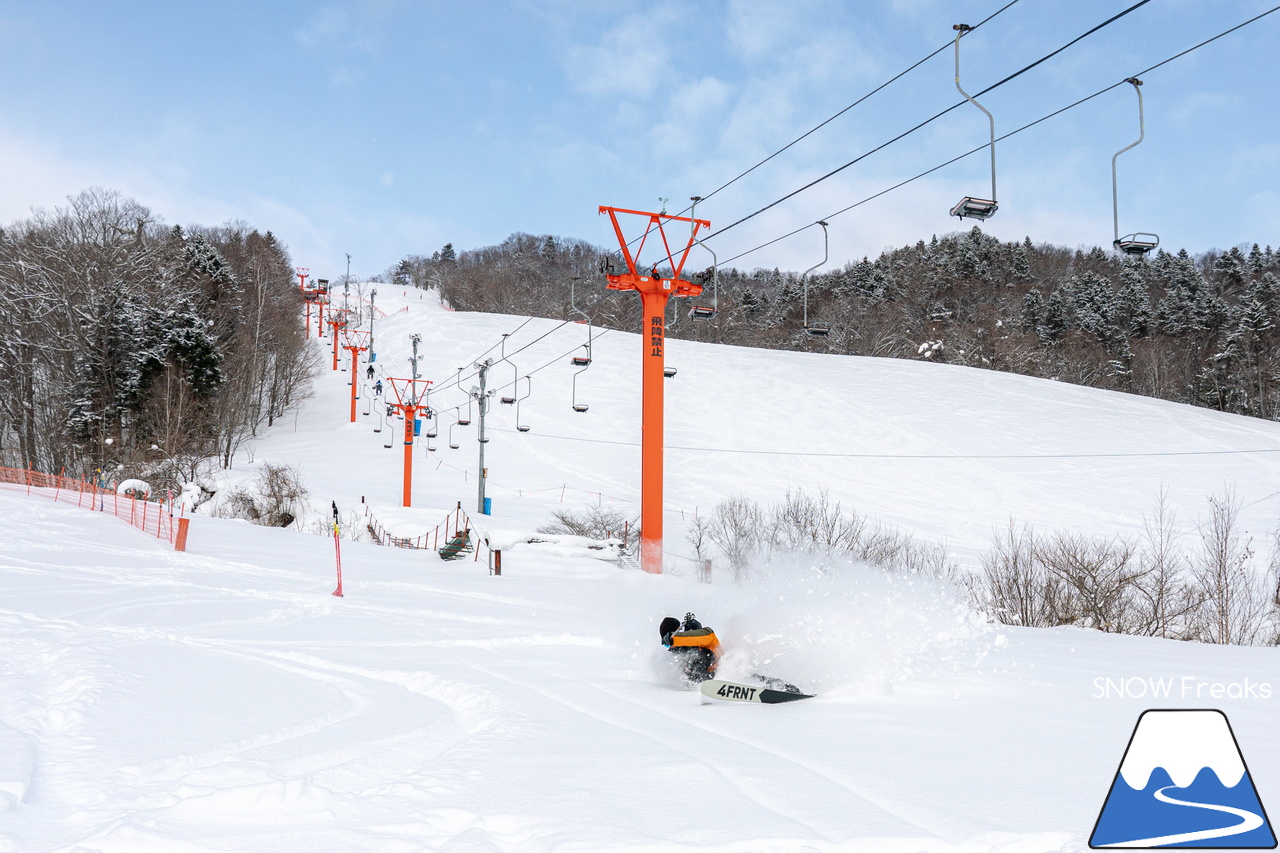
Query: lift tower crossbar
[654,289]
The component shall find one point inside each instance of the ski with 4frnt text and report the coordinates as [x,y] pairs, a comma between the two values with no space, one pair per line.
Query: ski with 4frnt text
[729,691]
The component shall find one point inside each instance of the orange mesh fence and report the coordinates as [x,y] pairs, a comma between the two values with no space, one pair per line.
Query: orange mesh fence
[156,517]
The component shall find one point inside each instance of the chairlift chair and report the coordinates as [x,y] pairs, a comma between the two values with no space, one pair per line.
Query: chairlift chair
[1140,243]
[972,207]
[1137,244]
[520,427]
[815,329]
[509,401]
[975,208]
[453,443]
[577,407]
[580,360]
[704,312]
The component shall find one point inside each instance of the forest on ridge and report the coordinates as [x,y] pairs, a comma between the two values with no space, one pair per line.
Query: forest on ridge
[1198,329]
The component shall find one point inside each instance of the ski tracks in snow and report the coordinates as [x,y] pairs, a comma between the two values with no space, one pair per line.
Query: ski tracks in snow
[817,800]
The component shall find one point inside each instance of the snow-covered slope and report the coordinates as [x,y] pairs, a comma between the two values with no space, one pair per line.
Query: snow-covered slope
[948,453]
[222,699]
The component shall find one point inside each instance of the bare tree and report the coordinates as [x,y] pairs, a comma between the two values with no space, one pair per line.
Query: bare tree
[1236,608]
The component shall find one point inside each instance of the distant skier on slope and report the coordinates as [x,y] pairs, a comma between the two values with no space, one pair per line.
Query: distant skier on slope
[696,648]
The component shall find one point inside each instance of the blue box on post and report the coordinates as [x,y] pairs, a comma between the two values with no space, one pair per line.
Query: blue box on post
[488,506]
[417,427]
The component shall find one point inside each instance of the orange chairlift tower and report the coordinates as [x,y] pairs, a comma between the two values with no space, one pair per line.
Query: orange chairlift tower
[355,341]
[410,394]
[308,294]
[321,300]
[338,322]
[654,289]
[410,399]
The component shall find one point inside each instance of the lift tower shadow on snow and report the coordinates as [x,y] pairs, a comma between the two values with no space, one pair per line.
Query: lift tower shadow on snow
[655,289]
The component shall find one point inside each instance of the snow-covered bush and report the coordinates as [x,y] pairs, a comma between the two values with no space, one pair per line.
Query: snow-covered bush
[1208,590]
[748,535]
[276,498]
[595,522]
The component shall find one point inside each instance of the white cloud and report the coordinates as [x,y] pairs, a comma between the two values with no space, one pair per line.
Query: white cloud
[1197,108]
[327,26]
[631,60]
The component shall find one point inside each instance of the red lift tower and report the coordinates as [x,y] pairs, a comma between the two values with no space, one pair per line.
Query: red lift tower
[410,400]
[308,294]
[338,321]
[655,289]
[355,341]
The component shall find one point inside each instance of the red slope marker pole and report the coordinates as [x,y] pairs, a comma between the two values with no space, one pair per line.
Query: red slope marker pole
[337,549]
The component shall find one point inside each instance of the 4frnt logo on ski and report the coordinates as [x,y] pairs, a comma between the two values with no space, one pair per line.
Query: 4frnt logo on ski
[714,688]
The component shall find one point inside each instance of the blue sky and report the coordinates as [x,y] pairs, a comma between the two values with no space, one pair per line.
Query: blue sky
[382,128]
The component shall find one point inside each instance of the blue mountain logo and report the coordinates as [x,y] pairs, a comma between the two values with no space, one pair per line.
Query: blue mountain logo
[1183,783]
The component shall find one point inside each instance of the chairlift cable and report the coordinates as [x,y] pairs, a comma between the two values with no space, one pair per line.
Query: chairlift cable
[1003,137]
[517,352]
[833,117]
[837,115]
[927,121]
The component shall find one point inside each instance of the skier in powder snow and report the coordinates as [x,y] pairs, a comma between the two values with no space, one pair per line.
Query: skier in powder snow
[696,647]
[698,653]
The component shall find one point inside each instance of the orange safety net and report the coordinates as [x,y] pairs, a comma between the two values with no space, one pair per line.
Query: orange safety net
[155,517]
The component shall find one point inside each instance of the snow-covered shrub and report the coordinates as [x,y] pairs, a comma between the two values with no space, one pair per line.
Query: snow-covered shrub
[816,526]
[1150,586]
[595,522]
[274,500]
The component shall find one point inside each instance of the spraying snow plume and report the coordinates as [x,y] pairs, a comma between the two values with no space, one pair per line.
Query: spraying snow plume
[849,626]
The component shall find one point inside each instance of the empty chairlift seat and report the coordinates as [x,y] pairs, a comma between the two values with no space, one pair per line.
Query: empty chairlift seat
[974,208]
[1137,244]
